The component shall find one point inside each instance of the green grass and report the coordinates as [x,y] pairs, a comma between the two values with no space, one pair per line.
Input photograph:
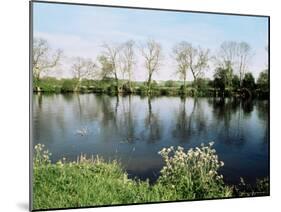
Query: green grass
[186,175]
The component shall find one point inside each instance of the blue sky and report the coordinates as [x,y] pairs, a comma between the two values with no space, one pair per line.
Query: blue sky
[81,30]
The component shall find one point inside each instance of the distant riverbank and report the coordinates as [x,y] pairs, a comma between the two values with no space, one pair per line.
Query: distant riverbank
[203,88]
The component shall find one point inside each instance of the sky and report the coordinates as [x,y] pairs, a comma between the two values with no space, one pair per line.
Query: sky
[81,30]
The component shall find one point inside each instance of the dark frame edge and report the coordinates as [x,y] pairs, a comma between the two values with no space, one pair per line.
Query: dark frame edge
[30,106]
[148,8]
[269,97]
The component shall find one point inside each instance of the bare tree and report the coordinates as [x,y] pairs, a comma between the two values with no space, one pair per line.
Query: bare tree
[198,59]
[235,55]
[151,52]
[111,55]
[43,58]
[181,51]
[127,59]
[227,54]
[243,58]
[82,69]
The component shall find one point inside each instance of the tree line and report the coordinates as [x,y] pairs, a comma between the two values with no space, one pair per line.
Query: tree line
[117,63]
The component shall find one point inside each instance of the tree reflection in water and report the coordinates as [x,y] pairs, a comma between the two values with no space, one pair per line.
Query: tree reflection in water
[152,131]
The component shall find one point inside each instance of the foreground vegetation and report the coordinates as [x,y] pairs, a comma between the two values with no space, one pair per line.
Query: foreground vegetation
[186,175]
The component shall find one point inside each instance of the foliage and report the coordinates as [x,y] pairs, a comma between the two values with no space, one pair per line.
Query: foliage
[92,181]
[223,78]
[170,83]
[235,82]
[68,85]
[193,174]
[41,157]
[249,81]
[203,87]
[47,84]
[203,84]
[262,81]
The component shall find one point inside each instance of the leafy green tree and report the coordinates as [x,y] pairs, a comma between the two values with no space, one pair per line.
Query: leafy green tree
[235,82]
[223,77]
[203,84]
[249,81]
[262,82]
[106,68]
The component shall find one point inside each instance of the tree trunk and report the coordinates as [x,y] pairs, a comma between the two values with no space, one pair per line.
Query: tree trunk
[77,85]
[195,82]
[130,83]
[149,83]
[117,82]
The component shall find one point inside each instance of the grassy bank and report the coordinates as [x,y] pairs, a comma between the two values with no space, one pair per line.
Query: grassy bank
[186,175]
[203,88]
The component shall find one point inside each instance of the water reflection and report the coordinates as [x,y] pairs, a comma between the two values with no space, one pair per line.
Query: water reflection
[152,130]
[133,129]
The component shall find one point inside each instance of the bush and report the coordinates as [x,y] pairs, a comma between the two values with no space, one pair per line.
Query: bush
[170,83]
[45,87]
[47,84]
[68,85]
[126,88]
[193,174]
[142,89]
[169,91]
[112,89]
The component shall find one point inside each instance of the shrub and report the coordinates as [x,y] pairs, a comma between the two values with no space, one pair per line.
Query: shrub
[41,156]
[68,85]
[170,83]
[193,174]
[126,88]
[112,89]
[142,89]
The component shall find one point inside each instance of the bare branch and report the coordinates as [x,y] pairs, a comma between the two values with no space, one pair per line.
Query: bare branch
[43,59]
[151,52]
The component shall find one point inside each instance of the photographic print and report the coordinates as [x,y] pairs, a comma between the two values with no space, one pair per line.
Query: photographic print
[137,105]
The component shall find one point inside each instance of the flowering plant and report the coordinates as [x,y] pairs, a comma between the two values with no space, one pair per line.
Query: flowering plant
[193,174]
[41,156]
